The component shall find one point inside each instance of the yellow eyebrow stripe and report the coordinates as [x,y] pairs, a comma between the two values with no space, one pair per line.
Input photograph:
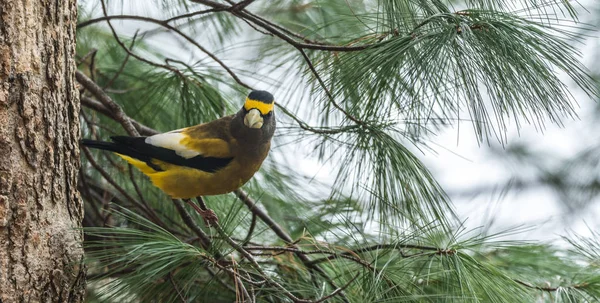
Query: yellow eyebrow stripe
[264,108]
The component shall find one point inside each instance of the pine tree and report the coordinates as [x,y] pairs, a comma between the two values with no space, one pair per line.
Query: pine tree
[361,86]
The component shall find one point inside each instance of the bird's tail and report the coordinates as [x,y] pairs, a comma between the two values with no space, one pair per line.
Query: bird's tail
[122,145]
[110,146]
[138,159]
[116,147]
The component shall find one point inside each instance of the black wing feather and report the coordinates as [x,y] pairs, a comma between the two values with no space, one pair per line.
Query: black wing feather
[136,147]
[207,164]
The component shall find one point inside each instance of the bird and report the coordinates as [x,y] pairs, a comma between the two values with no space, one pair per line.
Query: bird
[208,159]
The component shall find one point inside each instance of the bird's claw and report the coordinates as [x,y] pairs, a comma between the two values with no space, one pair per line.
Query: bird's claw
[210,217]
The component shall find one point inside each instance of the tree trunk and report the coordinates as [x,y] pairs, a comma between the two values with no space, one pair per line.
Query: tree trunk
[40,208]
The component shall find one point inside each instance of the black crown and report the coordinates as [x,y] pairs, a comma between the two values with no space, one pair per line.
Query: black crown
[261,95]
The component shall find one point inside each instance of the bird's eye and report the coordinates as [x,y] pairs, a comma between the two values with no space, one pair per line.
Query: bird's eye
[269,114]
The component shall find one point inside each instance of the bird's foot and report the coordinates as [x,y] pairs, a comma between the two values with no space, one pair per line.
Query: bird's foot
[209,216]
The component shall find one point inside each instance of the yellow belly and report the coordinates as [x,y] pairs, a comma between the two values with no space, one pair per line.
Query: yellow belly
[190,183]
[184,182]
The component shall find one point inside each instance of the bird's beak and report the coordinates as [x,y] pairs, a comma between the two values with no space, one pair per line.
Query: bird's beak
[253,119]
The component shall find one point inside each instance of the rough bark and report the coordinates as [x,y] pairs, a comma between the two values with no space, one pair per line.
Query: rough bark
[40,208]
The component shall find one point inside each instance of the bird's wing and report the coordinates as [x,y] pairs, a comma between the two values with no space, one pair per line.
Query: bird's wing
[202,147]
[189,144]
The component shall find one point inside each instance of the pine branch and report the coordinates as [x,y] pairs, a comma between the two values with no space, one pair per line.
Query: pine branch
[243,196]
[283,34]
[187,219]
[113,107]
[551,289]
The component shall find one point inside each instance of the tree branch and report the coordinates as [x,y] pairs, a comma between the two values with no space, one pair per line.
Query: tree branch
[243,196]
[187,219]
[180,33]
[550,289]
[257,266]
[279,32]
[329,95]
[100,108]
[115,109]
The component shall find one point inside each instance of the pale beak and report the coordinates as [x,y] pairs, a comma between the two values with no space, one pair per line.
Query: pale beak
[253,119]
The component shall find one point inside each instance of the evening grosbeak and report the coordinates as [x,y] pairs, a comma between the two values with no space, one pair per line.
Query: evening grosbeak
[212,158]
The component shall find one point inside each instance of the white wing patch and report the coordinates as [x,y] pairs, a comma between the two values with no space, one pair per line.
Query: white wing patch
[171,141]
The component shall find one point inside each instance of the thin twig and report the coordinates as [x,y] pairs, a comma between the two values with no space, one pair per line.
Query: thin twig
[184,36]
[179,294]
[192,14]
[243,196]
[250,258]
[215,276]
[100,108]
[129,52]
[250,230]
[337,291]
[431,249]
[239,284]
[90,53]
[122,67]
[107,177]
[85,23]
[320,130]
[332,254]
[144,202]
[187,219]
[277,30]
[117,112]
[84,188]
[241,5]
[550,289]
[329,95]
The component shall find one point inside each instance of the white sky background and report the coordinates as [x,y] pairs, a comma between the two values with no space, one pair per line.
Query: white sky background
[539,206]
[459,164]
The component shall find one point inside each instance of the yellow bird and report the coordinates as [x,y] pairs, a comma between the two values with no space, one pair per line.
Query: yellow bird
[212,158]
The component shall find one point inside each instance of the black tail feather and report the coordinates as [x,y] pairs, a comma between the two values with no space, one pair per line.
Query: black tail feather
[120,148]
[110,146]
[138,143]
[116,147]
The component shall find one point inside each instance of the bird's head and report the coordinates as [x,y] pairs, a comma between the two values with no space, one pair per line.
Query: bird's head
[257,114]
[258,109]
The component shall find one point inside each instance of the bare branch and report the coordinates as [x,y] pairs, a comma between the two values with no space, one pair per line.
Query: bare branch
[283,34]
[243,196]
[187,219]
[100,108]
[180,33]
[257,266]
[329,95]
[117,112]
[122,67]
[550,289]
[250,230]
